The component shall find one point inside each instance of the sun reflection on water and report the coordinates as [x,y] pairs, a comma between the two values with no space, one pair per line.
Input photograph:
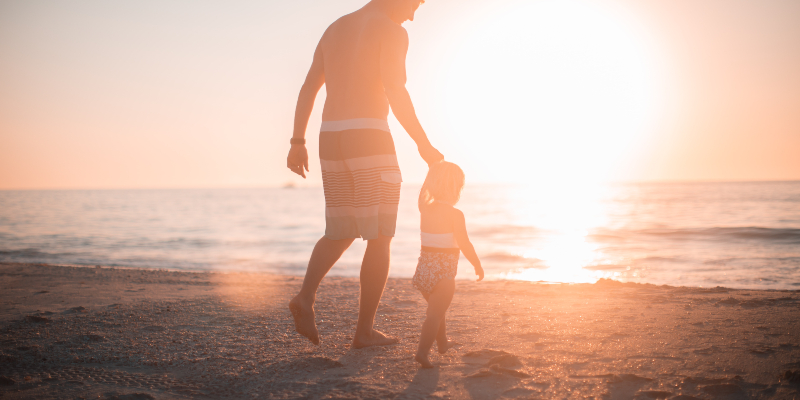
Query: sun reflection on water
[565,214]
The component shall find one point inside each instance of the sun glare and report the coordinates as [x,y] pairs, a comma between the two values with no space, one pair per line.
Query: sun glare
[565,214]
[553,96]
[551,90]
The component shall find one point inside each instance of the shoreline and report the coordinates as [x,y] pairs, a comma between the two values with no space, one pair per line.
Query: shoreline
[125,332]
[489,278]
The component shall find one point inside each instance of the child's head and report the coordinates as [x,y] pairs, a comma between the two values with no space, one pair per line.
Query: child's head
[443,183]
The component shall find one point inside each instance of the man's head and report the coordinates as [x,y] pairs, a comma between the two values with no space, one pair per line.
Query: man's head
[400,10]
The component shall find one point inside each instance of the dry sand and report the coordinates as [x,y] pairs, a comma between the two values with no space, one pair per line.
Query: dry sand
[68,332]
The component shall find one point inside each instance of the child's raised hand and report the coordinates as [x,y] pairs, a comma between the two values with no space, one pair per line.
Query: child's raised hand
[479,272]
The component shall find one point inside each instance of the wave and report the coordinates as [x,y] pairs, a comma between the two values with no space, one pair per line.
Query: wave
[508,230]
[26,253]
[780,235]
[748,233]
[507,258]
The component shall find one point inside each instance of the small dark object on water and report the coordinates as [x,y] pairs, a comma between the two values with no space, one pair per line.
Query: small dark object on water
[5,381]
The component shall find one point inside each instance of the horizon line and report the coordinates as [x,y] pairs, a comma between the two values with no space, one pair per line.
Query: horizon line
[292,185]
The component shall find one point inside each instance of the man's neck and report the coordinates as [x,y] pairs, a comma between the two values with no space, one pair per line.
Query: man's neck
[382,6]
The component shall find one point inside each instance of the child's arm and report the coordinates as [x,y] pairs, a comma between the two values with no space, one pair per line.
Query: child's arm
[460,232]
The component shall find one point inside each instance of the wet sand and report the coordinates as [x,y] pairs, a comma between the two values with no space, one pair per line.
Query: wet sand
[68,332]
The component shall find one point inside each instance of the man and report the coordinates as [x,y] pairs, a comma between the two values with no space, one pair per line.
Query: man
[361,59]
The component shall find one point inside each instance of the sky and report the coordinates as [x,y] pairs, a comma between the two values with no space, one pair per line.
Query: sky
[173,94]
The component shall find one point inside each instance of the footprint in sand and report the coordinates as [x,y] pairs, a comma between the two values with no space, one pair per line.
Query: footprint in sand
[316,363]
[482,356]
[730,301]
[530,336]
[654,394]
[722,389]
[752,303]
[629,378]
[36,319]
[518,392]
[497,371]
[154,328]
[707,351]
[498,361]
[762,351]
[505,360]
[93,338]
[387,310]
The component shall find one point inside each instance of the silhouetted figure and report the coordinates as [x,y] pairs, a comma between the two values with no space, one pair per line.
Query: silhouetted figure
[361,59]
[444,237]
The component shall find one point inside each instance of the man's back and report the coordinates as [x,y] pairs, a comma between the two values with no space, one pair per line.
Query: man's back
[351,53]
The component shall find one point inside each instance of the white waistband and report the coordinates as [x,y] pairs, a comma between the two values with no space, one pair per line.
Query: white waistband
[441,240]
[356,123]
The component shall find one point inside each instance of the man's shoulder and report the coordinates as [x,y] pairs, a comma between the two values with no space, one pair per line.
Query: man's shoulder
[389,27]
[372,22]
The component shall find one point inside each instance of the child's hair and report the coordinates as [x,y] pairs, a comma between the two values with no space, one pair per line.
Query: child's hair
[443,183]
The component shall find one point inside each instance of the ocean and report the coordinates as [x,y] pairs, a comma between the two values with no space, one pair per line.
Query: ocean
[738,235]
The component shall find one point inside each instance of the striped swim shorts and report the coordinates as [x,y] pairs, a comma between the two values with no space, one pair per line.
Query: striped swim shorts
[361,178]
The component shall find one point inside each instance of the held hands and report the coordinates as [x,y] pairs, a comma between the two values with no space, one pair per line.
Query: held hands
[430,154]
[479,272]
[298,159]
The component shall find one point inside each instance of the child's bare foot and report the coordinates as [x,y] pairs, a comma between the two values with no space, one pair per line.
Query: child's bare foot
[423,360]
[447,346]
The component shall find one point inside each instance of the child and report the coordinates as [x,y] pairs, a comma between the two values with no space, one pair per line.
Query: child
[444,235]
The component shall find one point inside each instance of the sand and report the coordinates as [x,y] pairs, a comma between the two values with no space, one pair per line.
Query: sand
[71,332]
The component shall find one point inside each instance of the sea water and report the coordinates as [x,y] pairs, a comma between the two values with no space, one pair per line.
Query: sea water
[741,235]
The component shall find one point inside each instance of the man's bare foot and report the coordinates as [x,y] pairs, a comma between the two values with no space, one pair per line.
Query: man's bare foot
[423,361]
[376,338]
[304,320]
[447,346]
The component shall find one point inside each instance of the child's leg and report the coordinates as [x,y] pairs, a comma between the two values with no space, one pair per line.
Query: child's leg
[441,338]
[438,302]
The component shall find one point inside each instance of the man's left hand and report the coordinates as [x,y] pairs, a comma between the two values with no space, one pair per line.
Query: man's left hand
[298,159]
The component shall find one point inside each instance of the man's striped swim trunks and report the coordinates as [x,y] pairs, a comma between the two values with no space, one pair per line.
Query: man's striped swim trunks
[361,178]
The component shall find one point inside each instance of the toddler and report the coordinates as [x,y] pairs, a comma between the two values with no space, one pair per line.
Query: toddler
[444,236]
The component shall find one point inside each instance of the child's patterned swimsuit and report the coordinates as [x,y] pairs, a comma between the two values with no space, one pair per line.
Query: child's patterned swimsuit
[438,260]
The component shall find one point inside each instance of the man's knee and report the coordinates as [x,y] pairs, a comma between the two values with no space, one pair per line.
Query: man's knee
[381,241]
[326,243]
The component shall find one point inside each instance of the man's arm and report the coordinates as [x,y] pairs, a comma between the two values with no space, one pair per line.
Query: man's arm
[393,74]
[298,155]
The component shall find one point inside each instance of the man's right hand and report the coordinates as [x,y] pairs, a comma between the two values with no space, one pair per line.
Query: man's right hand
[430,154]
[298,159]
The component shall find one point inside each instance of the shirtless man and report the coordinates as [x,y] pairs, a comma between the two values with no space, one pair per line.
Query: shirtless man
[361,59]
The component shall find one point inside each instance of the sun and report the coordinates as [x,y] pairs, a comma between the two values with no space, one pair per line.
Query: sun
[550,91]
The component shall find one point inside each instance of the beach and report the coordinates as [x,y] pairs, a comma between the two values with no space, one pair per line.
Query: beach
[99,332]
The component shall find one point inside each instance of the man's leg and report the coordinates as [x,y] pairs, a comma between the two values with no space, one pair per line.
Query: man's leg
[374,271]
[325,254]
